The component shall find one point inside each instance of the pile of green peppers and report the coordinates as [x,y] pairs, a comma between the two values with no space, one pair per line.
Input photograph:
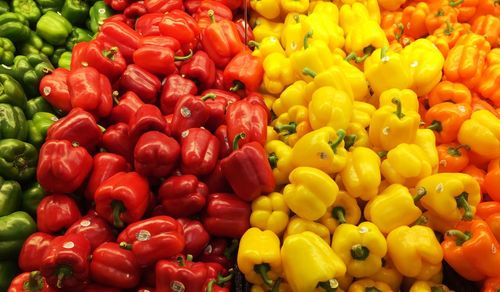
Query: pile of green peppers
[36,36]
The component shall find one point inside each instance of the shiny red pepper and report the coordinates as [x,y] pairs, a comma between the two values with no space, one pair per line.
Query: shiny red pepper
[118,4]
[34,247]
[217,280]
[192,5]
[226,215]
[118,34]
[94,228]
[218,251]
[225,146]
[156,155]
[199,151]
[66,262]
[168,127]
[101,288]
[126,107]
[190,112]
[62,166]
[54,89]
[244,71]
[256,98]
[233,4]
[135,10]
[221,11]
[241,26]
[181,26]
[217,107]
[201,69]
[105,166]
[153,239]
[182,196]
[219,79]
[114,266]
[160,41]
[216,181]
[145,84]
[122,198]
[147,118]
[162,6]
[158,59]
[175,86]
[148,24]
[180,274]
[79,127]
[120,18]
[196,236]
[30,281]
[56,213]
[249,118]
[116,139]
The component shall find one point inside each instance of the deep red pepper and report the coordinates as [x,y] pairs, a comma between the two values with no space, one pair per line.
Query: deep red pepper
[190,112]
[56,213]
[114,266]
[240,26]
[145,84]
[158,59]
[153,239]
[94,228]
[244,71]
[180,274]
[146,289]
[116,139]
[232,4]
[217,280]
[225,146]
[162,6]
[135,10]
[174,87]
[148,24]
[216,181]
[118,4]
[118,34]
[217,107]
[126,107]
[219,79]
[182,196]
[30,281]
[201,69]
[249,118]
[66,262]
[121,18]
[226,215]
[160,41]
[156,155]
[181,26]
[62,166]
[34,247]
[122,198]
[168,127]
[54,89]
[101,288]
[221,11]
[199,151]
[147,118]
[79,127]
[256,98]
[196,236]
[192,5]
[105,166]
[218,251]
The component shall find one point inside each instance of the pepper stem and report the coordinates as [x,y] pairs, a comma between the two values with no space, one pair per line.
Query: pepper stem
[273,160]
[422,220]
[421,192]
[237,139]
[449,28]
[118,208]
[237,85]
[189,258]
[229,252]
[211,14]
[184,58]
[309,72]
[125,245]
[435,126]
[383,53]
[110,54]
[382,154]
[221,280]
[262,270]
[437,289]
[454,3]
[180,261]
[308,35]
[63,271]
[329,286]
[340,137]
[461,237]
[207,96]
[399,107]
[254,44]
[210,286]
[115,97]
[276,286]
[366,53]
[372,289]
[462,203]
[349,140]
[339,214]
[359,252]
[290,128]
[454,151]
[34,283]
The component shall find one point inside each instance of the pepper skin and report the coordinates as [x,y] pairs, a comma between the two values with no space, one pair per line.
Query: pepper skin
[94,228]
[199,152]
[249,118]
[345,209]
[280,159]
[481,134]
[54,88]
[226,215]
[116,139]
[180,274]
[105,165]
[147,118]
[34,246]
[244,71]
[156,154]
[270,213]
[446,118]
[182,196]
[330,107]
[368,284]
[298,225]
[56,212]
[181,26]
[195,236]
[361,174]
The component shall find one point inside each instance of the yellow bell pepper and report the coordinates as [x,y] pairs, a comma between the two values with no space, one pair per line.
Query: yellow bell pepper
[364,38]
[293,124]
[362,113]
[361,248]
[267,46]
[368,285]
[389,127]
[269,100]
[361,174]
[391,5]
[426,286]
[322,149]
[265,28]
[389,275]
[436,222]
[392,208]
[482,133]
[351,14]
[426,139]
[323,21]
[425,63]
[309,262]
[298,225]
[451,196]
[307,57]
[372,7]
[384,69]
[292,95]
[356,78]
[332,77]
[310,192]
[271,134]
[330,107]
[345,209]
[280,159]
[278,72]
[414,249]
[270,213]
[282,287]
[356,136]
[408,98]
[270,9]
[298,6]
[259,256]
[294,32]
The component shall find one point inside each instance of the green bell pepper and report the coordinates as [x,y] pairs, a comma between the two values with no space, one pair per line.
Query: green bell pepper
[98,13]
[31,197]
[8,270]
[12,122]
[35,45]
[76,11]
[53,28]
[78,35]
[11,91]
[14,229]
[35,105]
[65,60]
[50,5]
[57,55]
[4,7]
[7,51]
[28,9]
[18,160]
[38,126]
[10,196]
[14,27]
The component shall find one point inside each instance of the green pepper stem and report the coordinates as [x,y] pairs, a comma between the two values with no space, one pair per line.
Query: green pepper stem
[454,3]
[349,140]
[276,286]
[366,53]
[273,160]
[262,270]
[455,151]
[110,54]
[62,272]
[210,286]
[237,139]
[296,18]
[340,137]
[254,44]
[211,15]
[399,34]
[461,237]
[421,192]
[115,95]
[229,252]
[221,280]
[189,258]
[118,208]
[435,126]
[207,96]
[308,35]
[329,286]
[184,58]
[437,289]
[463,203]
[290,128]
[372,289]
[359,252]
[399,107]
[180,261]
[309,72]
[237,85]
[383,53]
[125,245]
[422,220]
[338,213]
[449,28]
[382,154]
[34,283]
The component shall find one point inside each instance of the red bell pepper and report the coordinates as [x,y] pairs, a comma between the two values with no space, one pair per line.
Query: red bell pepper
[199,151]
[192,5]
[118,34]
[217,107]
[168,127]
[126,107]
[148,24]
[196,236]
[225,147]
[62,166]
[121,18]
[256,98]
[56,212]
[219,79]
[226,215]
[147,118]
[244,71]
[114,266]
[79,126]
[66,262]
[145,84]
[101,288]
[135,10]
[122,198]
[174,87]
[30,281]
[217,280]
[241,26]
[180,274]
[233,4]
[221,41]
[190,112]
[220,10]
[249,118]
[162,6]
[491,285]
[216,181]
[218,251]
[54,89]
[94,228]
[105,166]
[153,239]
[158,59]
[182,196]
[181,26]
[118,4]
[201,69]
[34,247]
[156,155]
[160,41]
[116,140]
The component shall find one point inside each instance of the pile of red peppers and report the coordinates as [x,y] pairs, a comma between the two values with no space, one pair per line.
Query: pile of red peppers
[151,172]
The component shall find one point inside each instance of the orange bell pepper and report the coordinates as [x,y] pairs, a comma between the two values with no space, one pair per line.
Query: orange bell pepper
[488,26]
[491,285]
[489,84]
[485,7]
[437,18]
[493,57]
[445,120]
[465,63]
[451,32]
[476,40]
[493,222]
[440,43]
[452,157]
[486,209]
[477,173]
[477,104]
[466,8]
[414,18]
[492,180]
[449,91]
[392,26]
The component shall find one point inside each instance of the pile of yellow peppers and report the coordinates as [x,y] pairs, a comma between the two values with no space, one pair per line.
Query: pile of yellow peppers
[360,200]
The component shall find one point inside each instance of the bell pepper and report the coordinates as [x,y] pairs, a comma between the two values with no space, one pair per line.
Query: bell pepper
[296,252]
[10,196]
[190,112]
[279,156]
[278,72]
[449,91]
[298,225]
[54,88]
[485,24]
[486,86]
[323,21]
[35,45]
[28,9]
[174,88]
[465,63]
[56,212]
[408,98]
[219,251]
[369,285]
[157,59]
[97,14]
[354,76]
[8,271]
[480,134]
[180,273]
[421,252]
[118,34]
[7,51]
[75,11]
[426,140]
[414,20]
[330,107]
[183,27]
[392,208]
[200,68]
[199,152]
[78,35]
[248,118]
[116,139]
[147,118]
[345,209]
[182,196]
[65,60]
[29,281]
[490,180]
[143,83]
[491,285]
[361,174]
[225,147]
[148,24]
[293,124]
[35,245]
[263,28]
[472,243]
[388,274]
[156,6]
[452,157]
[226,215]
[292,95]
[266,8]
[446,118]
[104,166]
[114,266]
[217,108]
[35,105]
[270,213]
[16,227]
[323,149]
[243,71]
[145,238]
[356,136]
[156,154]
[53,28]
[305,65]
[18,160]
[31,197]
[94,228]
[421,286]
[126,108]
[15,27]
[195,235]
[66,261]
[13,123]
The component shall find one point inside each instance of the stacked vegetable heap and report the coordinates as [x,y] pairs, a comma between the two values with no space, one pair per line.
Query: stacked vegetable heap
[167,145]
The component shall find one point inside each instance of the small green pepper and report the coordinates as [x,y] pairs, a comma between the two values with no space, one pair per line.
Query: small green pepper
[10,196]
[8,270]
[14,27]
[35,105]
[12,122]
[78,35]
[31,197]
[28,9]
[98,13]
[38,126]
[76,11]
[35,45]
[14,229]
[7,51]
[57,55]
[53,28]
[65,61]
[50,5]
[11,91]
[18,160]
[4,7]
